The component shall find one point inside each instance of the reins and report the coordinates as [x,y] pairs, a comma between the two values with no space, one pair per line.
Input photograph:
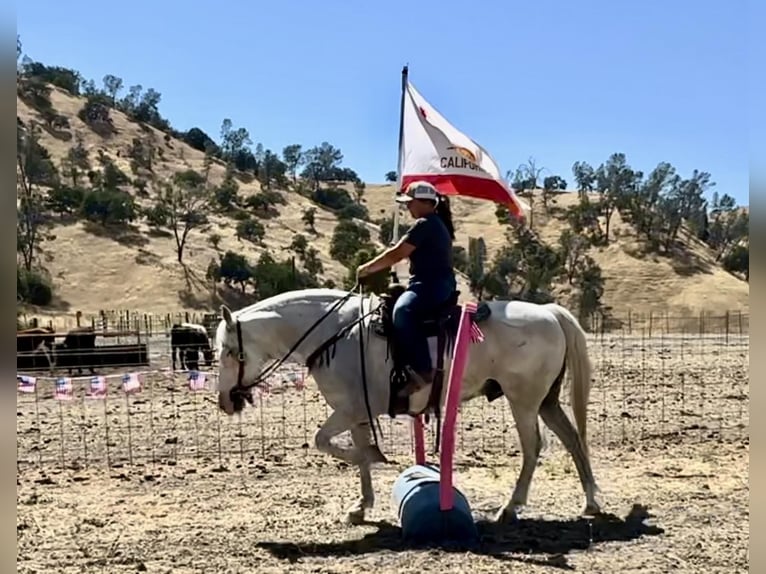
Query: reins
[242,388]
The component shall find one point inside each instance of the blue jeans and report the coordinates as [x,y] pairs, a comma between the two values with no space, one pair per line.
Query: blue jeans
[409,311]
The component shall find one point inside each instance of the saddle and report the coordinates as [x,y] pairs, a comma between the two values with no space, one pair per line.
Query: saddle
[441,322]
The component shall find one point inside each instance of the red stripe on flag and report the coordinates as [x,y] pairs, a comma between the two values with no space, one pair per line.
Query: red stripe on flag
[468,186]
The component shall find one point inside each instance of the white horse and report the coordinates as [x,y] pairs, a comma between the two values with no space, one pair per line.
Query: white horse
[526,350]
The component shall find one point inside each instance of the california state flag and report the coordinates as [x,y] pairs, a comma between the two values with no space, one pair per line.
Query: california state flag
[435,151]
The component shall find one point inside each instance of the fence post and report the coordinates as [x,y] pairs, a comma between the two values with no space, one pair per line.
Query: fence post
[726,322]
[739,318]
[651,321]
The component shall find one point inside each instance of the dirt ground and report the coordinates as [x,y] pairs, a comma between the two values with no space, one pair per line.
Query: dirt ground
[159,481]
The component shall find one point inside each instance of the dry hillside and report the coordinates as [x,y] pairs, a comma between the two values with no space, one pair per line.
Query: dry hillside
[138,270]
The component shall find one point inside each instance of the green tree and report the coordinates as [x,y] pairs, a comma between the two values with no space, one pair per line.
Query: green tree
[34,170]
[615,182]
[312,263]
[95,113]
[728,224]
[273,277]
[112,87]
[391,176]
[76,162]
[551,185]
[234,268]
[109,206]
[200,141]
[293,157]
[585,176]
[475,267]
[591,286]
[386,232]
[375,283]
[251,230]
[738,260]
[322,163]
[460,258]
[33,287]
[572,251]
[309,219]
[348,238]
[233,142]
[64,200]
[359,188]
[227,193]
[299,245]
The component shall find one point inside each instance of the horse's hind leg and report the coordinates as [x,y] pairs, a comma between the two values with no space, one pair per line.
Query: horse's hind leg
[529,436]
[556,419]
[366,455]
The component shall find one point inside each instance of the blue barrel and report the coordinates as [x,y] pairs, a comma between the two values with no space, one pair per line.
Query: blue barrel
[416,498]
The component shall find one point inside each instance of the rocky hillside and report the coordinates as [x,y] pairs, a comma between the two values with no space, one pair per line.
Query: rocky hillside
[135,266]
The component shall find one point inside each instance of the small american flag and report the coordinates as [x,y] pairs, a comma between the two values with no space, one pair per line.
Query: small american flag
[64,391]
[27,384]
[197,381]
[299,380]
[476,335]
[97,388]
[262,390]
[131,383]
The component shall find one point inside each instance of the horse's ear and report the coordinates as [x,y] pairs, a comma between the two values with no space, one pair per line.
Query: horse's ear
[226,314]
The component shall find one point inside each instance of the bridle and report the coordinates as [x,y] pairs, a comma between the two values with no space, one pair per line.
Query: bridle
[240,392]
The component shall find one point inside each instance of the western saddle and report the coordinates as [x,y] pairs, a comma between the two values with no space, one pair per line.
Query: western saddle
[442,323]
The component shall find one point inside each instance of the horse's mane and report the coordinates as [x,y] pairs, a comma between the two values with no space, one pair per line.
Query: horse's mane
[315,295]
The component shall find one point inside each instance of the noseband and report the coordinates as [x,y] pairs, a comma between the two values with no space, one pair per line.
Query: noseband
[240,391]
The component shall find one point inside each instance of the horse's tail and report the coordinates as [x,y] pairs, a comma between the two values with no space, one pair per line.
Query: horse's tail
[579,367]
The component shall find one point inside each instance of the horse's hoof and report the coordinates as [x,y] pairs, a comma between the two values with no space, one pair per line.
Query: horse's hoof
[507,515]
[355,517]
[591,509]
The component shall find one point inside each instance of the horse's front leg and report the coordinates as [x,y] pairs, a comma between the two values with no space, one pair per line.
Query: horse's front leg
[366,454]
[358,455]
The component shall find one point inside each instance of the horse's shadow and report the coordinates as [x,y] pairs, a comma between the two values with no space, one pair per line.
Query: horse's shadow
[543,542]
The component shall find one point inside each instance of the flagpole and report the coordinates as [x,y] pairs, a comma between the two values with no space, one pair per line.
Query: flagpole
[395,232]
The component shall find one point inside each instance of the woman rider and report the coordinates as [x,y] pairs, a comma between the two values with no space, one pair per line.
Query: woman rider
[428,245]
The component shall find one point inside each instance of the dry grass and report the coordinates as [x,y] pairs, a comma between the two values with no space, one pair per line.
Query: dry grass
[140,271]
[668,428]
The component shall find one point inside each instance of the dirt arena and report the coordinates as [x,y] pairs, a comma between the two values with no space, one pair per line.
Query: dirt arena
[159,481]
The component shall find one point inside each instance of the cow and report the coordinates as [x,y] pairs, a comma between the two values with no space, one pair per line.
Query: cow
[190,339]
[78,346]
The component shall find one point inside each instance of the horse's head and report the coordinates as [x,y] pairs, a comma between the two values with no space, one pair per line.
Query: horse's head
[240,360]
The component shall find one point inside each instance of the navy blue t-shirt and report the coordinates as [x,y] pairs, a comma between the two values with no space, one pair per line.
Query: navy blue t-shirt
[431,261]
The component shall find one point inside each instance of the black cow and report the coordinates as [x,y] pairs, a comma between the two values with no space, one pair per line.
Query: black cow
[190,339]
[78,346]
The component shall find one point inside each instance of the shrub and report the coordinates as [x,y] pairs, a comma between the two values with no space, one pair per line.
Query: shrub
[33,287]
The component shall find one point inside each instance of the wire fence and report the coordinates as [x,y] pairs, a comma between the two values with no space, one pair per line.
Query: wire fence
[652,323]
[665,387]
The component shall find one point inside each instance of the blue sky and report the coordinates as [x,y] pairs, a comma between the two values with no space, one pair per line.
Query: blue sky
[557,80]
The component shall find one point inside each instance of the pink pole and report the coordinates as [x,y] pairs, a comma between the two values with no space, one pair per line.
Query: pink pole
[420,441]
[462,341]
